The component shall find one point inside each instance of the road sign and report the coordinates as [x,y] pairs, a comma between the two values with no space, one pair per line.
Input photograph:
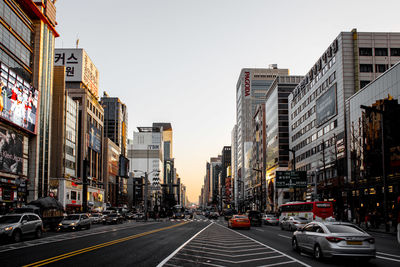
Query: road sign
[291,179]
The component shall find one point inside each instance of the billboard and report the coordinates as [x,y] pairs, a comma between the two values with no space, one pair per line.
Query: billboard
[78,68]
[94,138]
[11,151]
[326,106]
[18,100]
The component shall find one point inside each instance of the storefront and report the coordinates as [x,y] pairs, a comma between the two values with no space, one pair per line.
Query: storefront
[68,192]
[95,198]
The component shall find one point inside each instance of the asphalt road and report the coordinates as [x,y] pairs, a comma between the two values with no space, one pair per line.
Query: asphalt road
[197,242]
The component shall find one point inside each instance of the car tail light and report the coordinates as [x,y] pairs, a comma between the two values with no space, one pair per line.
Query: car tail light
[268,219]
[371,240]
[334,239]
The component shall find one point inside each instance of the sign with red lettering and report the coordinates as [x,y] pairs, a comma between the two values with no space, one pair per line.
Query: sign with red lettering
[247,84]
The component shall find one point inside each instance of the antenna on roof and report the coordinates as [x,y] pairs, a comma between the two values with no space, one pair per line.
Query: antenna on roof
[77,41]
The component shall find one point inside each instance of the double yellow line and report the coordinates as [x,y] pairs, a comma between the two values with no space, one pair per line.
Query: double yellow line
[84,250]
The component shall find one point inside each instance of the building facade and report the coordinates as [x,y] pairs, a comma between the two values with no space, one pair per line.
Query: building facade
[364,189]
[317,106]
[82,80]
[251,88]
[26,54]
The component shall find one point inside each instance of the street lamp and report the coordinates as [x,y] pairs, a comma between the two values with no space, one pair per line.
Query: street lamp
[146,188]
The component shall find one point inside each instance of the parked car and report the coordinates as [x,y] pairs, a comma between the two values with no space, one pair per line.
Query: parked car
[292,223]
[75,222]
[139,216]
[255,217]
[239,221]
[15,226]
[129,216]
[334,239]
[95,218]
[270,219]
[113,218]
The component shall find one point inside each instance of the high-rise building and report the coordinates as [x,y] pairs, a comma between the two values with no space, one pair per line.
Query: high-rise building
[277,137]
[234,164]
[115,121]
[215,169]
[26,56]
[251,89]
[225,163]
[145,155]
[317,105]
[81,83]
[64,145]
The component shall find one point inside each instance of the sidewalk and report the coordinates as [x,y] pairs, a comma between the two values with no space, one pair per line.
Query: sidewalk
[381,229]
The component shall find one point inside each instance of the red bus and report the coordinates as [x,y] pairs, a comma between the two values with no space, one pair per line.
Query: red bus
[313,211]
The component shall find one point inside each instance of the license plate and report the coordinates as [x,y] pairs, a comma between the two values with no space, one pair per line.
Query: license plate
[354,242]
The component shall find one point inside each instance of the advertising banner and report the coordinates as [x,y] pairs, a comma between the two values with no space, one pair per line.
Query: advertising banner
[289,179]
[326,106]
[94,138]
[18,100]
[78,67]
[11,151]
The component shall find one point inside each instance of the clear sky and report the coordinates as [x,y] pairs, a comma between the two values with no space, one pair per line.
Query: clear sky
[178,61]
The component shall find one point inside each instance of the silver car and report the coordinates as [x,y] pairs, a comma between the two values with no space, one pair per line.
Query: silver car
[15,226]
[334,239]
[270,219]
[293,223]
[75,222]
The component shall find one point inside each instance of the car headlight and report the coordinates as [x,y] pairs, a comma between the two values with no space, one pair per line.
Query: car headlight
[8,228]
[59,224]
[72,224]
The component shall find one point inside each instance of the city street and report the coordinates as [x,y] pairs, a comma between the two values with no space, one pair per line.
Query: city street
[185,242]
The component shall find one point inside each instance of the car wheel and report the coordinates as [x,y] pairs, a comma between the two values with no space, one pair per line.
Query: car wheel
[290,228]
[281,226]
[78,228]
[317,252]
[295,246]
[38,233]
[17,236]
[88,227]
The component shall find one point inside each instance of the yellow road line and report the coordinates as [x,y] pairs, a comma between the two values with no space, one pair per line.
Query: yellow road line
[106,244]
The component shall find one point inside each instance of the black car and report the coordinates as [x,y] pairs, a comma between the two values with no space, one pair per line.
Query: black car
[255,217]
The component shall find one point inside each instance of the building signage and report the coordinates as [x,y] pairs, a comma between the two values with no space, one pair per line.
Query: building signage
[291,179]
[11,151]
[94,138]
[153,147]
[247,84]
[78,68]
[18,100]
[326,106]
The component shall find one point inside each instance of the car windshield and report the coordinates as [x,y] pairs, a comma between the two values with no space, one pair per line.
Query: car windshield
[10,219]
[341,228]
[240,217]
[113,215]
[72,217]
[300,218]
[271,216]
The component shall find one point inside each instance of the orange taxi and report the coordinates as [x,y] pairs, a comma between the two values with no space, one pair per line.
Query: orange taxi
[239,221]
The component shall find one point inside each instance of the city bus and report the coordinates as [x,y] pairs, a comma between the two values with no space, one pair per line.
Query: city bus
[312,211]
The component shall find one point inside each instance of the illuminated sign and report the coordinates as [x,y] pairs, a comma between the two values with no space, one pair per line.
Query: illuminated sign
[18,100]
[247,84]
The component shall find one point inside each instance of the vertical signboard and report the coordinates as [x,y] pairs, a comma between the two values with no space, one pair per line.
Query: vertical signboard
[247,89]
[326,106]
[78,68]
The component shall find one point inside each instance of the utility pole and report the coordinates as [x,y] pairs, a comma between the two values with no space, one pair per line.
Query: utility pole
[145,195]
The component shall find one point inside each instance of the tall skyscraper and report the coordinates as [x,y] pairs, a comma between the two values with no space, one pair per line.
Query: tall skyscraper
[251,89]
[26,55]
[115,121]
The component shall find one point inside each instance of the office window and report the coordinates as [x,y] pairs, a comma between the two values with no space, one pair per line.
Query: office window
[363,84]
[381,52]
[379,68]
[395,52]
[365,51]
[366,68]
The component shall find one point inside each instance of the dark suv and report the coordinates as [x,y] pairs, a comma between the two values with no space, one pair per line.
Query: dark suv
[255,217]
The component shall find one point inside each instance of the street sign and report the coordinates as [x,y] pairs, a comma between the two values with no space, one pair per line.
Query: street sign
[291,179]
